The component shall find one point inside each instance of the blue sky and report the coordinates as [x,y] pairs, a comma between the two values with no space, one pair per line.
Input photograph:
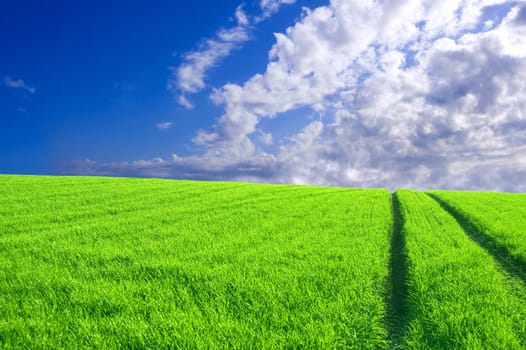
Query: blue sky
[100,75]
[347,93]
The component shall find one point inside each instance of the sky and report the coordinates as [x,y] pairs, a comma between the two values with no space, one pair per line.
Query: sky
[353,93]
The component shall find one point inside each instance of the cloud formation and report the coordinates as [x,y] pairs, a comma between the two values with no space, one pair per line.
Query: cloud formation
[18,84]
[270,7]
[409,93]
[189,77]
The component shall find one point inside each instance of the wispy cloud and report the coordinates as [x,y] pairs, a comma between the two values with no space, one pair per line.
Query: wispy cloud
[271,7]
[265,138]
[164,125]
[18,84]
[241,16]
[190,76]
[185,102]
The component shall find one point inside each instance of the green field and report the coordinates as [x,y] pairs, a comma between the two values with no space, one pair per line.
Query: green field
[499,218]
[89,262]
[459,299]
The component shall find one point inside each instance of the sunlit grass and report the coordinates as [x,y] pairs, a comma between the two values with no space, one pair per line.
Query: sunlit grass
[136,263]
[501,217]
[459,298]
[90,262]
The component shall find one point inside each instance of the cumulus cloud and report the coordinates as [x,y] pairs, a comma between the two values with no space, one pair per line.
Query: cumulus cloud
[18,84]
[410,93]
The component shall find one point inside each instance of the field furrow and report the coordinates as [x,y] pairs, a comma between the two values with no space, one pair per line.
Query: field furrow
[397,293]
[458,296]
[496,220]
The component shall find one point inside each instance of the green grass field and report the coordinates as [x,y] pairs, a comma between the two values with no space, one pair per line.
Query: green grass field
[499,218]
[90,262]
[459,298]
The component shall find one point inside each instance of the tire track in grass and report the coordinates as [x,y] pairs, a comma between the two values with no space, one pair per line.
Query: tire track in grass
[396,296]
[459,297]
[513,266]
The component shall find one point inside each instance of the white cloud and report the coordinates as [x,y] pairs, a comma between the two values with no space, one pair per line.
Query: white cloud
[18,84]
[410,93]
[270,7]
[164,125]
[241,16]
[265,138]
[185,102]
[353,60]
[190,75]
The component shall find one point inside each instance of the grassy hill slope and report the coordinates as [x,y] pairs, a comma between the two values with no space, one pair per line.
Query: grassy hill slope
[135,263]
[90,262]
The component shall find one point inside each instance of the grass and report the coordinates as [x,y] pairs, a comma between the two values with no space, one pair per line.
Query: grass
[459,298]
[499,217]
[89,262]
[133,263]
